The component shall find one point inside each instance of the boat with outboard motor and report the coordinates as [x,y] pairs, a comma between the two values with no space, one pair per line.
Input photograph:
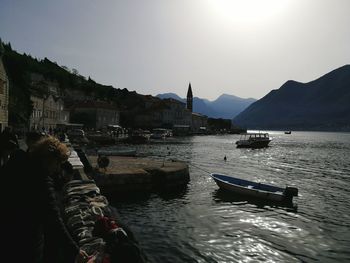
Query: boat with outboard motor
[254,189]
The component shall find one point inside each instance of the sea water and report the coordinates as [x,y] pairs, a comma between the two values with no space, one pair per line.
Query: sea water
[200,224]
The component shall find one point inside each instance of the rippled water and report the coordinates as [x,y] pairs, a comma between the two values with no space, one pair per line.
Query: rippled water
[200,224]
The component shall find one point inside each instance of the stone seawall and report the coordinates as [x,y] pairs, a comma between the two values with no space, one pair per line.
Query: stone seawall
[86,210]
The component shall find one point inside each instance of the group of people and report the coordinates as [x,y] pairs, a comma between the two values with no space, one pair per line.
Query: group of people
[34,227]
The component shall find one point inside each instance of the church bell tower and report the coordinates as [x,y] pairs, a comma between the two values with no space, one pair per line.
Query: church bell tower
[189,105]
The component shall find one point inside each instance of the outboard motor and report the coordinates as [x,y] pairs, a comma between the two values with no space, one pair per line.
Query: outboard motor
[289,192]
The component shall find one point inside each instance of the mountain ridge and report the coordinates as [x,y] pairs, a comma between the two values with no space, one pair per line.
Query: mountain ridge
[226,106]
[321,104]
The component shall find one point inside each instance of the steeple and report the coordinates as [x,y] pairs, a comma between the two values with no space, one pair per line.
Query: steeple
[189,105]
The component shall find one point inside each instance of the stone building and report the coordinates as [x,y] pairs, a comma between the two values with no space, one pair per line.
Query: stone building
[95,114]
[173,114]
[36,119]
[4,92]
[199,123]
[176,113]
[48,111]
[48,105]
[164,114]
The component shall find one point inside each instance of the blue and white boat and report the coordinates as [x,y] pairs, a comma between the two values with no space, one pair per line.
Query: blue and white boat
[256,190]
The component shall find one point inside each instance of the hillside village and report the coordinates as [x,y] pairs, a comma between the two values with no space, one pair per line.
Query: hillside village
[41,95]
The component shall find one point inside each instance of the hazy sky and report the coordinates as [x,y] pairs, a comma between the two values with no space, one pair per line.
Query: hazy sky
[240,47]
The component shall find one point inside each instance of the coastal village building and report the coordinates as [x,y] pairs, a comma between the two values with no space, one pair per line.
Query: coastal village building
[151,117]
[47,112]
[173,114]
[48,105]
[35,121]
[199,123]
[95,114]
[4,92]
[165,113]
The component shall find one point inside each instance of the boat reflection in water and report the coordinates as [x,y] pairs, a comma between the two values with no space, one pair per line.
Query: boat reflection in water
[221,195]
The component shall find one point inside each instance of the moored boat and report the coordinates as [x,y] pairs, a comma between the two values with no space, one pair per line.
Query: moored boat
[253,140]
[253,189]
[287,132]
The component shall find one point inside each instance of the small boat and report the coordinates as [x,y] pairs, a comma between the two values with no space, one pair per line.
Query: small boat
[253,140]
[287,132]
[253,189]
[117,152]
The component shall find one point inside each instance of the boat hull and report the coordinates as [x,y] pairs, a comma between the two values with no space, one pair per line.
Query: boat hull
[253,144]
[251,189]
[253,140]
[251,193]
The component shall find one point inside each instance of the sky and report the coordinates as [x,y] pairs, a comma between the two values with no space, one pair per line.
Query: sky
[244,48]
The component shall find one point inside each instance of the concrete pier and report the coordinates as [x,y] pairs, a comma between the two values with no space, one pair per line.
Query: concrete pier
[135,174]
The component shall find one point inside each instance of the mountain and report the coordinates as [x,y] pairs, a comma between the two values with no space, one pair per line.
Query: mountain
[322,104]
[170,96]
[226,106]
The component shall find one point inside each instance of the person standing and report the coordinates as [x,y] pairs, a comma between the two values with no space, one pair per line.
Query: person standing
[8,144]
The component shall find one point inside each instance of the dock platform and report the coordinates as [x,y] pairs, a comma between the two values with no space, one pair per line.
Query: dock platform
[139,174]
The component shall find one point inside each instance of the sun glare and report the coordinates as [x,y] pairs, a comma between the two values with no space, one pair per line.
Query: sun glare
[247,11]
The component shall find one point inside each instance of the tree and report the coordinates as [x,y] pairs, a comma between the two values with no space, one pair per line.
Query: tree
[75,71]
[65,68]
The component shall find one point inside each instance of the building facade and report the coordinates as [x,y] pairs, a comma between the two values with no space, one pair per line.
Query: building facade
[176,113]
[35,121]
[199,123]
[95,114]
[48,111]
[48,105]
[164,114]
